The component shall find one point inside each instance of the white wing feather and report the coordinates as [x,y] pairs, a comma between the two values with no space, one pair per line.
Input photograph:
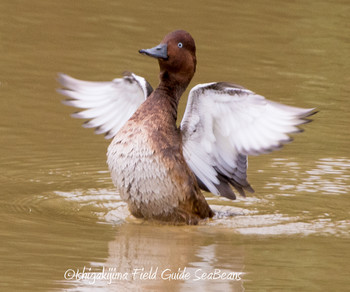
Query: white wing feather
[107,105]
[223,124]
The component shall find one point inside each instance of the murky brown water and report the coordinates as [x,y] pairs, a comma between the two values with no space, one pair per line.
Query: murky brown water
[58,207]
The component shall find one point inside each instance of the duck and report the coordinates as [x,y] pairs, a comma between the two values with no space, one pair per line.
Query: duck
[160,169]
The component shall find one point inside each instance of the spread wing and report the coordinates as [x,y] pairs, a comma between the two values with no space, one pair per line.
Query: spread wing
[107,105]
[223,124]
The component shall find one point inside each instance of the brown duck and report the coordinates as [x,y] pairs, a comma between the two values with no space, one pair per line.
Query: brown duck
[159,168]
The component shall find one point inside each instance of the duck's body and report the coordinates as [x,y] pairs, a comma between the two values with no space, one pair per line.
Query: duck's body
[148,167]
[159,168]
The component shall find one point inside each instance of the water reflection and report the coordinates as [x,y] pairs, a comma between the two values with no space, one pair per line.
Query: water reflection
[136,253]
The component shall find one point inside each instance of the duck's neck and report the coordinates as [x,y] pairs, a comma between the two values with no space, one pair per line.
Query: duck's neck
[169,92]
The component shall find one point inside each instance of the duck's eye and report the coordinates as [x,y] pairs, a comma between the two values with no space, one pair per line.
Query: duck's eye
[180,45]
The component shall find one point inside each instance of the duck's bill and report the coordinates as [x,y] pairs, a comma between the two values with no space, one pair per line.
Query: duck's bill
[160,51]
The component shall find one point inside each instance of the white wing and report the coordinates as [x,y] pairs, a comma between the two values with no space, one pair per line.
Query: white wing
[223,124]
[108,105]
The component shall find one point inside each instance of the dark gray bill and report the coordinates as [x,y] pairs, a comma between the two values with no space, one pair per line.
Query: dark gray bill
[160,51]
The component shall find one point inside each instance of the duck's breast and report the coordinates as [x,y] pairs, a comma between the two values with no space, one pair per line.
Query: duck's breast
[140,172]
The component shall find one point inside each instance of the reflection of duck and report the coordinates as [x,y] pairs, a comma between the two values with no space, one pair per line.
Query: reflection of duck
[149,257]
[159,168]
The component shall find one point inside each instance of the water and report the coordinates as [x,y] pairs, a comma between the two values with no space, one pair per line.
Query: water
[58,208]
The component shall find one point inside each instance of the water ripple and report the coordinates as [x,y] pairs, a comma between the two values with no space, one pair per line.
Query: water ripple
[329,176]
[106,204]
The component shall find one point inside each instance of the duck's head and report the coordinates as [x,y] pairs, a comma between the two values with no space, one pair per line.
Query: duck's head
[176,55]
